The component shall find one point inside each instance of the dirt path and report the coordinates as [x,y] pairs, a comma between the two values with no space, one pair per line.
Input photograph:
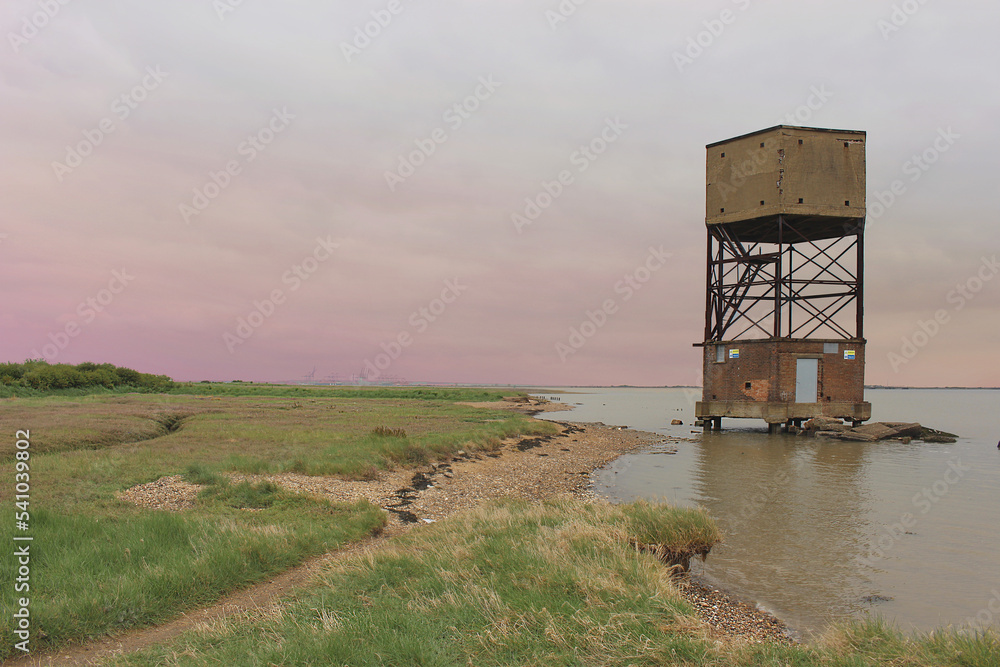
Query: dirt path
[257,597]
[531,468]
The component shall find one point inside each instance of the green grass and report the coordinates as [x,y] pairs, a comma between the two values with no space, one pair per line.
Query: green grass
[318,436]
[317,391]
[7,391]
[272,390]
[510,583]
[513,583]
[93,576]
[101,565]
[196,473]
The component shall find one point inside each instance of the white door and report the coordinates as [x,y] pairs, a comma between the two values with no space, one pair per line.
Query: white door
[806,380]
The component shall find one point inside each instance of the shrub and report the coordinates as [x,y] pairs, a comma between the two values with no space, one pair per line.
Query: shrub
[39,375]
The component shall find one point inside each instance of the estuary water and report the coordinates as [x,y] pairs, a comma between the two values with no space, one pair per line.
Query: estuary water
[816,530]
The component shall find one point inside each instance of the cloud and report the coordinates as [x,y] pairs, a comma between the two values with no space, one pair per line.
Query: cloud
[353,122]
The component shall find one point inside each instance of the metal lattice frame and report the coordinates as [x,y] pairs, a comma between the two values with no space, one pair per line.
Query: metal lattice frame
[796,287]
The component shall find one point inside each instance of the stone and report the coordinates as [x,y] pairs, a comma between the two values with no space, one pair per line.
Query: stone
[825,424]
[931,435]
[943,439]
[876,431]
[676,422]
[855,436]
[905,429]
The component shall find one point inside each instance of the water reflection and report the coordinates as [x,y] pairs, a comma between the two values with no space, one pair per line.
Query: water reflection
[802,516]
[782,500]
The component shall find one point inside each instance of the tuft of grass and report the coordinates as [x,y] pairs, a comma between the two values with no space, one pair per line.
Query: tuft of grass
[250,465]
[387,432]
[674,535]
[245,495]
[197,473]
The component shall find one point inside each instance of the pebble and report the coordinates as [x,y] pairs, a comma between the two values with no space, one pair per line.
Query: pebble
[731,617]
[167,493]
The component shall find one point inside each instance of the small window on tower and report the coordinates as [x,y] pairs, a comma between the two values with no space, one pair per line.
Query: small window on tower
[847,202]
[800,142]
[762,144]
[723,155]
[747,385]
[801,200]
[761,202]
[720,354]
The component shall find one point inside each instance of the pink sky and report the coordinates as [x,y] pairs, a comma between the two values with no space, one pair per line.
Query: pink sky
[288,136]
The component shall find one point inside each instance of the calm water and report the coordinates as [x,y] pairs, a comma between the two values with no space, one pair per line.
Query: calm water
[817,530]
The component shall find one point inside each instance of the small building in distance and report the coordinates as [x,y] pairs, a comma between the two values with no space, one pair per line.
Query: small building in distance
[784,305]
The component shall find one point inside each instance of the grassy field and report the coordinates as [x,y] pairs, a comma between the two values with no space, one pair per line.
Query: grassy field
[513,583]
[100,565]
[509,583]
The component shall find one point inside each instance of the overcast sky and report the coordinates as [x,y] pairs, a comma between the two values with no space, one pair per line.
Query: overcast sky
[225,190]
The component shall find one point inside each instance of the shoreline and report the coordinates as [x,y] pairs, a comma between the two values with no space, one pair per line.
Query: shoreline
[559,465]
[724,611]
[531,468]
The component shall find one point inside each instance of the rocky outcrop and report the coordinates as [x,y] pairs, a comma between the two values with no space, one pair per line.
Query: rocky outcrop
[826,427]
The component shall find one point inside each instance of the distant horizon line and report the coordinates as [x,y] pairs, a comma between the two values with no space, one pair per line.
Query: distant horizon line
[539,386]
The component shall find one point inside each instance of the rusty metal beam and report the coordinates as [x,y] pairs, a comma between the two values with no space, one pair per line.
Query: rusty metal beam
[763,288]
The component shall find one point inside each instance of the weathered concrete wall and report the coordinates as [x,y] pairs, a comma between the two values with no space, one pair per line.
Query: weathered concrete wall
[777,413]
[825,169]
